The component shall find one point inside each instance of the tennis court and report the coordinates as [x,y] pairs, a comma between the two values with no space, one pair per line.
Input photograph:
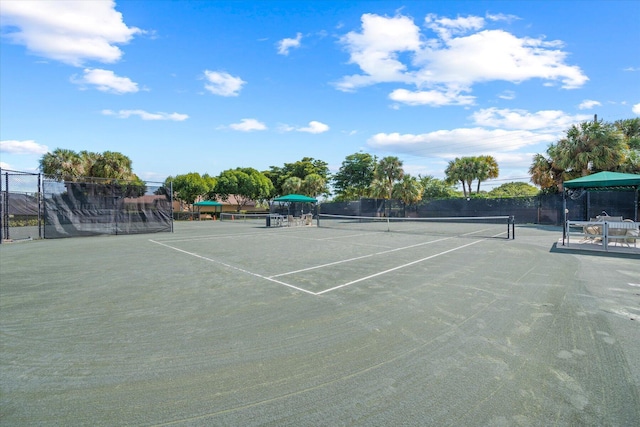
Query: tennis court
[233,323]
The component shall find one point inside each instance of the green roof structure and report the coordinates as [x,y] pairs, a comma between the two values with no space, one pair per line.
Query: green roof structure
[295,198]
[602,180]
[208,203]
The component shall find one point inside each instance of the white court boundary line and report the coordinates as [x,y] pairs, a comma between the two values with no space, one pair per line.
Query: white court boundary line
[211,236]
[271,278]
[396,268]
[233,267]
[360,257]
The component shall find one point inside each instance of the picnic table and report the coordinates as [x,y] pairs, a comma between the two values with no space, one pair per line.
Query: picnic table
[604,230]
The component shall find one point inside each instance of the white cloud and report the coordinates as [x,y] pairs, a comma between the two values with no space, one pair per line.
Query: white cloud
[548,120]
[314,127]
[501,17]
[22,147]
[587,104]
[448,144]
[433,98]
[447,27]
[285,45]
[502,133]
[72,32]
[376,50]
[283,127]
[222,83]
[496,55]
[508,95]
[106,81]
[144,115]
[462,54]
[248,125]
[636,109]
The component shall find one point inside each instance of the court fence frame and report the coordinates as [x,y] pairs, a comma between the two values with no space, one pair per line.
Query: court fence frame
[33,205]
[37,206]
[543,209]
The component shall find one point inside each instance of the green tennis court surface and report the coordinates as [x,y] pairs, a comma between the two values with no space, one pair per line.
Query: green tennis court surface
[231,323]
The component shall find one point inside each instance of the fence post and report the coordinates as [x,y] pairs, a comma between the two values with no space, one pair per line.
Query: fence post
[5,210]
[40,184]
[1,210]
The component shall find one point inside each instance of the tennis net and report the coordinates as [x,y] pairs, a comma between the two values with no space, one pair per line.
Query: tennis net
[485,226]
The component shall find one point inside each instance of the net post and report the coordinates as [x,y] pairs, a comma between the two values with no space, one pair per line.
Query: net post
[512,221]
[171,203]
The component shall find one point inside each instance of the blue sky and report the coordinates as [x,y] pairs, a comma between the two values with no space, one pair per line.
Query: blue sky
[204,86]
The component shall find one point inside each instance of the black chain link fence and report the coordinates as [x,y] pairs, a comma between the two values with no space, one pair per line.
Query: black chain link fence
[20,205]
[36,206]
[542,209]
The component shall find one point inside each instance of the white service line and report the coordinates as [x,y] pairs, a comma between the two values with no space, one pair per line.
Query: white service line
[360,257]
[271,278]
[210,237]
[233,267]
[347,236]
[396,268]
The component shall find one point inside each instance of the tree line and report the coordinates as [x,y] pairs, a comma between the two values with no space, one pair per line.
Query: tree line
[589,147]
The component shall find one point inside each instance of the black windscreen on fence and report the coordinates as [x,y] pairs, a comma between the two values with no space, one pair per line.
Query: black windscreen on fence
[93,208]
[544,209]
[20,205]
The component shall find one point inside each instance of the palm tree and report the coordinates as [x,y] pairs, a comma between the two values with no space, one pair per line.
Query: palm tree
[111,165]
[453,174]
[88,160]
[313,185]
[461,170]
[630,130]
[590,147]
[486,168]
[409,190]
[631,163]
[541,172]
[63,163]
[69,165]
[379,190]
[389,170]
[292,185]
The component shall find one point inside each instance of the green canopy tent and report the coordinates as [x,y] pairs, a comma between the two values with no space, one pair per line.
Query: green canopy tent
[295,198]
[603,181]
[293,201]
[217,206]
